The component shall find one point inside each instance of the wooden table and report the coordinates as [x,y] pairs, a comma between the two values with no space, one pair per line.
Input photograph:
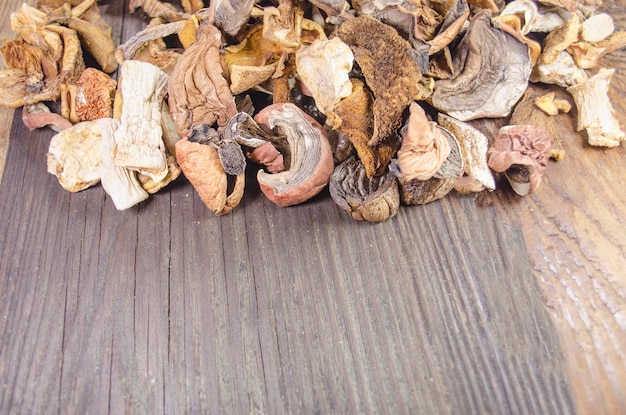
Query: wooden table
[495,304]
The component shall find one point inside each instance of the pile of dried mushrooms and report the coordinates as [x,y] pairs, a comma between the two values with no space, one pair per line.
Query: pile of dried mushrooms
[373,98]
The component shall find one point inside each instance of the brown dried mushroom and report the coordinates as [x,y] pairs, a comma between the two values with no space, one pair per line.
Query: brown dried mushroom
[373,199]
[491,70]
[521,152]
[311,159]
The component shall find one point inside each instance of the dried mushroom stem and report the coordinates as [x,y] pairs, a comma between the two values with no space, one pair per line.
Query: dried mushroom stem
[139,139]
[595,112]
[128,50]
[99,44]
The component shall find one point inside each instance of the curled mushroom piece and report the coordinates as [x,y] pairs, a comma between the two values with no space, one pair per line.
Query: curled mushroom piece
[120,183]
[39,115]
[75,155]
[595,112]
[311,161]
[492,70]
[232,15]
[424,146]
[474,145]
[521,152]
[372,199]
[419,192]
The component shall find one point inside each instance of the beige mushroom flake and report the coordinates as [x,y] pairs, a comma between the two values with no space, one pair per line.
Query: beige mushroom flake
[138,142]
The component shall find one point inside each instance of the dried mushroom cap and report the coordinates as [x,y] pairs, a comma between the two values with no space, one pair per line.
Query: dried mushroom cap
[373,199]
[323,67]
[595,112]
[521,152]
[232,15]
[474,145]
[39,115]
[120,183]
[139,139]
[311,160]
[424,146]
[390,73]
[94,95]
[198,93]
[201,165]
[453,23]
[75,155]
[420,192]
[492,70]
[562,72]
[357,123]
[559,39]
[597,28]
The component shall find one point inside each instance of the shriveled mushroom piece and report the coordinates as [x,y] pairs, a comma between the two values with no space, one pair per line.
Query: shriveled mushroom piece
[390,73]
[521,152]
[551,105]
[75,155]
[559,39]
[492,70]
[595,112]
[586,55]
[372,199]
[331,7]
[323,67]
[120,183]
[562,72]
[201,165]
[94,95]
[39,115]
[425,146]
[451,26]
[232,15]
[311,158]
[474,145]
[420,192]
[198,92]
[139,139]
[597,28]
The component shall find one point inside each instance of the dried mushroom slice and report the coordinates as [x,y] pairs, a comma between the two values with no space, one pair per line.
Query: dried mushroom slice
[120,183]
[357,123]
[94,95]
[139,139]
[474,146]
[201,165]
[311,161]
[198,92]
[419,192]
[521,152]
[323,67]
[425,146]
[491,71]
[372,199]
[595,112]
[390,73]
[75,155]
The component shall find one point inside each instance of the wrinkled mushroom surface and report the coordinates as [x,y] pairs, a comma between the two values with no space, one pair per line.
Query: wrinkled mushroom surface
[373,199]
[521,152]
[311,162]
[492,70]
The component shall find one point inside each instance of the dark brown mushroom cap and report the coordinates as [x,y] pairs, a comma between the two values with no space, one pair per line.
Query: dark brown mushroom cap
[311,161]
[373,199]
[525,147]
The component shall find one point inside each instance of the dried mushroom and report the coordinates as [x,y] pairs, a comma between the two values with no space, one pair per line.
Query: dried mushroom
[94,95]
[595,112]
[551,105]
[389,71]
[489,80]
[373,199]
[120,183]
[425,146]
[39,115]
[323,67]
[420,192]
[311,158]
[474,146]
[559,39]
[139,139]
[521,152]
[357,123]
[198,92]
[597,28]
[232,15]
[562,72]
[201,165]
[75,155]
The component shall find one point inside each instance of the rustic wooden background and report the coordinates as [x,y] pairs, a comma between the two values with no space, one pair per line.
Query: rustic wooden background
[495,304]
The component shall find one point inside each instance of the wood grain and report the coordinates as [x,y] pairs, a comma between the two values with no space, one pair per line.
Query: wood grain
[492,305]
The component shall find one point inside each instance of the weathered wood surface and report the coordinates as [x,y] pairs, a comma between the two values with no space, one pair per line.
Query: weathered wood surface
[166,308]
